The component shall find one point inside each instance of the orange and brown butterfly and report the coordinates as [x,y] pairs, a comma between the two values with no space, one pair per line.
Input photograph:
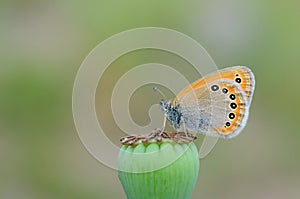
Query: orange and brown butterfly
[215,105]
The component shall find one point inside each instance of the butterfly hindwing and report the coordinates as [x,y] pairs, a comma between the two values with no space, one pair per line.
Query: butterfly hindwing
[218,104]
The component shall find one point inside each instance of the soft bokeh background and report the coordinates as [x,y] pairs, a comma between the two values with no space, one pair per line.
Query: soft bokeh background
[42,44]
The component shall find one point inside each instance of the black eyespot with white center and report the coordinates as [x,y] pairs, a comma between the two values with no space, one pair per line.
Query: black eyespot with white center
[231,115]
[225,90]
[214,87]
[232,96]
[233,105]
[238,80]
[227,124]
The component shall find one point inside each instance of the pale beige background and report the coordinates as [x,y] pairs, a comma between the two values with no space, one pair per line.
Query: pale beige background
[42,44]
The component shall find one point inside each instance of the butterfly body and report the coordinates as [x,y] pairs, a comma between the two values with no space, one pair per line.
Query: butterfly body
[216,105]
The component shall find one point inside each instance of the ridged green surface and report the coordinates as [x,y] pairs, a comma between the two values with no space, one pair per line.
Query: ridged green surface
[175,181]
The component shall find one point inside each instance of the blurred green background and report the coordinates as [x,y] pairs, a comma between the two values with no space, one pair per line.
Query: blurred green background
[42,44]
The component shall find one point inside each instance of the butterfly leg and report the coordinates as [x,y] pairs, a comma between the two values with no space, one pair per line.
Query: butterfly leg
[185,129]
[164,125]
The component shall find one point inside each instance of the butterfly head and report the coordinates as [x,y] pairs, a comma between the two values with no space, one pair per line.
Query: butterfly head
[172,113]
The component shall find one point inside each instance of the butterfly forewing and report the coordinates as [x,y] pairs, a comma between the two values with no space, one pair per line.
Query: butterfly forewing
[241,75]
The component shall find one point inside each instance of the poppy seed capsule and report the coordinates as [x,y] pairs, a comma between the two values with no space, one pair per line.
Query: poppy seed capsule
[159,169]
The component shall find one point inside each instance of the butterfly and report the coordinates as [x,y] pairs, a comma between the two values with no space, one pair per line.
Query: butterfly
[215,105]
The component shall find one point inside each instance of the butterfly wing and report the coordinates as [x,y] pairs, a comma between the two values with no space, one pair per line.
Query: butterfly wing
[241,75]
[218,104]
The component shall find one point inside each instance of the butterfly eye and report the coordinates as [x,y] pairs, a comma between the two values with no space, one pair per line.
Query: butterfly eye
[214,87]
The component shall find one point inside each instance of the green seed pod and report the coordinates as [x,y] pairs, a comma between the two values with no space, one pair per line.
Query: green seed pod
[158,167]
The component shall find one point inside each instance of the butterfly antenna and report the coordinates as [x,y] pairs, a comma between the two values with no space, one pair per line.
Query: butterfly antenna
[161,93]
